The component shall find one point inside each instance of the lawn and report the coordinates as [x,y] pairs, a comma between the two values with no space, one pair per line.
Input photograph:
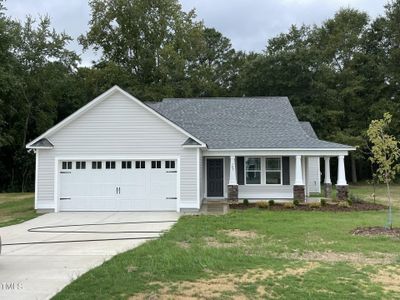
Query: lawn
[366,192]
[253,254]
[16,208]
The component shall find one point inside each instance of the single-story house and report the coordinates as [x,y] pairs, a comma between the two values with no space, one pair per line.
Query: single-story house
[119,154]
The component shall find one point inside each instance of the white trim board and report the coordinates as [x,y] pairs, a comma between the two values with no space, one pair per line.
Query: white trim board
[99,99]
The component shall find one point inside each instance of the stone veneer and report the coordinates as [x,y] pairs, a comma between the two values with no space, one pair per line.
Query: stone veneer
[342,192]
[328,190]
[233,192]
[299,192]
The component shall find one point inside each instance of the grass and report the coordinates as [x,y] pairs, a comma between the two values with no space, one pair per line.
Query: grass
[16,208]
[253,254]
[366,191]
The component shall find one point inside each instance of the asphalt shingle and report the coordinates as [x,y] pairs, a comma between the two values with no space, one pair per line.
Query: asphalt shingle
[241,123]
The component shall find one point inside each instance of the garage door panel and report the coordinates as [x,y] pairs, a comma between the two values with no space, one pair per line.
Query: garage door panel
[119,189]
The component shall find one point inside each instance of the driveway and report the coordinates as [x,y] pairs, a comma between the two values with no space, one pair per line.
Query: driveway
[45,254]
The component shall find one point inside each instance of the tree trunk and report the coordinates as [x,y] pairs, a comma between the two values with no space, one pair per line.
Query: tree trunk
[390,221]
[353,169]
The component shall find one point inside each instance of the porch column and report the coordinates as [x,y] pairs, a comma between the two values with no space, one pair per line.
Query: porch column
[298,187]
[341,185]
[233,190]
[327,180]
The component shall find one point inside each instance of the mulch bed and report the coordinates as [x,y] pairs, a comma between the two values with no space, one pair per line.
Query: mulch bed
[372,231]
[333,207]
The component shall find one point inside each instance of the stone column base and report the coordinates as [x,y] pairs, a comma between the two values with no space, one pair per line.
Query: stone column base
[233,192]
[342,192]
[328,190]
[299,192]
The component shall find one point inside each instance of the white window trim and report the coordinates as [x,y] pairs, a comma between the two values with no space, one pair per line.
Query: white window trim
[263,171]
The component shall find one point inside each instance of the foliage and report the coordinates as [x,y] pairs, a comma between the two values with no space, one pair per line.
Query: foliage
[343,204]
[288,205]
[323,202]
[246,202]
[262,204]
[314,204]
[271,202]
[296,202]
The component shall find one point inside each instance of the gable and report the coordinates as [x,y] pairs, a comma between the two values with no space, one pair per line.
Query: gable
[111,107]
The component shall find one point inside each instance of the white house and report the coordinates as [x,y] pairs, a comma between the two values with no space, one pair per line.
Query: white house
[119,154]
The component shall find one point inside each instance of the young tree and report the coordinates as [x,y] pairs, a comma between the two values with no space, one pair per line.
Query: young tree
[385,154]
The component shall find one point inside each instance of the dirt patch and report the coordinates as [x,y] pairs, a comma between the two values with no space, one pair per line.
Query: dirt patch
[377,231]
[331,207]
[240,234]
[352,257]
[388,278]
[183,245]
[224,284]
[214,243]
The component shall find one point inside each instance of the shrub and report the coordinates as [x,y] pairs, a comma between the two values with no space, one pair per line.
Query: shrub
[350,202]
[246,202]
[288,205]
[323,202]
[343,204]
[262,204]
[355,199]
[296,202]
[315,205]
[271,202]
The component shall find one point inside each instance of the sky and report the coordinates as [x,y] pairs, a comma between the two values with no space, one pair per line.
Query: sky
[247,23]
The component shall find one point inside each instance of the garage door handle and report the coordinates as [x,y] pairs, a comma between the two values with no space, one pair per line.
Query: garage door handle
[171,171]
[172,198]
[65,198]
[65,172]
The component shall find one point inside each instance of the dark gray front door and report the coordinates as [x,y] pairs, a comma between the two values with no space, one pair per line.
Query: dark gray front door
[215,177]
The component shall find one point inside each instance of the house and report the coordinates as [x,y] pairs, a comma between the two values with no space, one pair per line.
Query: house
[119,154]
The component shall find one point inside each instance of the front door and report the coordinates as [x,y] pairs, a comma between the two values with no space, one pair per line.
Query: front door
[215,177]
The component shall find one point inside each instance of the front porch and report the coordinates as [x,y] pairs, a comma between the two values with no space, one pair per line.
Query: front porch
[270,176]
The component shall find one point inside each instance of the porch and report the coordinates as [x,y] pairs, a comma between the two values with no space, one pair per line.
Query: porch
[270,176]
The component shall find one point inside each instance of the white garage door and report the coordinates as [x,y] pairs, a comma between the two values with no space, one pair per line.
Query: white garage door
[109,185]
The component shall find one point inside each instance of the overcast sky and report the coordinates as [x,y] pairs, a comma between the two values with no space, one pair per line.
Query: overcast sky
[248,23]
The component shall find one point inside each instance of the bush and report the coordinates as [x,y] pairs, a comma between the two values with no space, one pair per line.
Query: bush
[323,202]
[355,199]
[315,205]
[246,202]
[288,205]
[296,202]
[343,204]
[262,204]
[271,202]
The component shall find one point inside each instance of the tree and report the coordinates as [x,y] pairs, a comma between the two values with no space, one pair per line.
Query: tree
[385,154]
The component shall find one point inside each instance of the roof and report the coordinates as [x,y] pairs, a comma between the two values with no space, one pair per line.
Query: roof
[242,122]
[309,130]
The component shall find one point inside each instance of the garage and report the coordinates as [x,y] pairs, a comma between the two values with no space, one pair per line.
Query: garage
[118,185]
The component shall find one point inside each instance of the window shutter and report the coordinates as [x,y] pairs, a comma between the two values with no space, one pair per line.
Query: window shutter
[240,170]
[286,170]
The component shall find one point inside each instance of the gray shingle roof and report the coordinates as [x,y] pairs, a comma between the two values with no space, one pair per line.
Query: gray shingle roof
[240,123]
[309,130]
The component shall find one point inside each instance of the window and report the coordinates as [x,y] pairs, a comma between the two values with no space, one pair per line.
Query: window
[140,164]
[126,165]
[96,164]
[67,165]
[170,164]
[253,170]
[156,164]
[80,165]
[110,164]
[273,170]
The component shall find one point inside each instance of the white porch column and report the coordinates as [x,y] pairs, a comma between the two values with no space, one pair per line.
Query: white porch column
[327,171]
[232,172]
[299,171]
[341,173]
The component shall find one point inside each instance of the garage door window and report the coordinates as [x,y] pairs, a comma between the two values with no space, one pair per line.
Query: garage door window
[80,165]
[126,165]
[96,164]
[140,164]
[110,164]
[170,164]
[156,164]
[67,165]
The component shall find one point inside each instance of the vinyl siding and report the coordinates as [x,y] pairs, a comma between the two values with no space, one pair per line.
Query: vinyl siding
[118,127]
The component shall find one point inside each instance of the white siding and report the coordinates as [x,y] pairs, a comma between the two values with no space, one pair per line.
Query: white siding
[118,127]
[314,175]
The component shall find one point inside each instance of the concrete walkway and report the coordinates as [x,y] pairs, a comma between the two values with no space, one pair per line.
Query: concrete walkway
[42,262]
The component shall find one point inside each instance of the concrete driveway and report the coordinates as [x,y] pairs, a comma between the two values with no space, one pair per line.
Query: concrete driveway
[42,261]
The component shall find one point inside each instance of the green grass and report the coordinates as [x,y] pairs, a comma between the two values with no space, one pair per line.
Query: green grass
[16,208]
[366,192]
[197,256]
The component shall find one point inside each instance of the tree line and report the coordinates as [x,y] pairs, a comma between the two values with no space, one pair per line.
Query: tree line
[339,75]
